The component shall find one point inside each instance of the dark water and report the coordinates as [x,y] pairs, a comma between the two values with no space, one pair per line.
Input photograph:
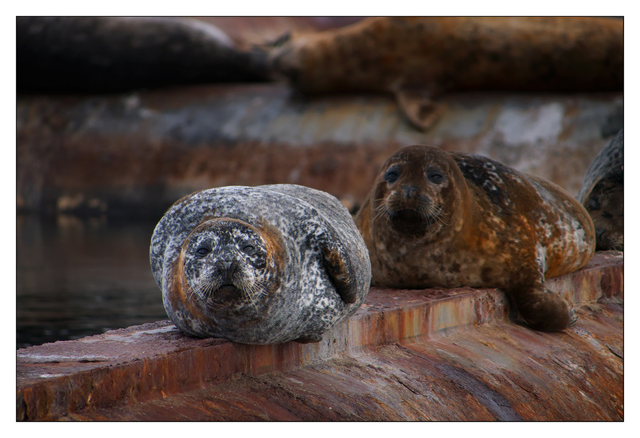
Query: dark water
[77,278]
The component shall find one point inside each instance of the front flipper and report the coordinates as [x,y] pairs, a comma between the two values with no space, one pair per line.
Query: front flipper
[307,339]
[338,269]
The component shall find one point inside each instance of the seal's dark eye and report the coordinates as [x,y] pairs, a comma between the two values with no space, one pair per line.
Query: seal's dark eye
[392,175]
[203,251]
[435,176]
[249,249]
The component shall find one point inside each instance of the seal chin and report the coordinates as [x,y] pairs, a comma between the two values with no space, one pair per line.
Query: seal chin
[409,221]
[225,298]
[227,292]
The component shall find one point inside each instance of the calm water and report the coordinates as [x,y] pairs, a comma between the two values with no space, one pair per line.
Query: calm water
[82,277]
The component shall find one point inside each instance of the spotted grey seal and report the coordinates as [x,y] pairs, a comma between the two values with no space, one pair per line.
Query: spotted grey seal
[449,219]
[259,265]
[602,194]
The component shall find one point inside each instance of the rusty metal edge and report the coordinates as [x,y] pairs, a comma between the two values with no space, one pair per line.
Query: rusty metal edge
[151,377]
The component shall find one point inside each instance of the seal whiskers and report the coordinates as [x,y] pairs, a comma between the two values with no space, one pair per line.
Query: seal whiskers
[382,211]
[201,289]
[432,213]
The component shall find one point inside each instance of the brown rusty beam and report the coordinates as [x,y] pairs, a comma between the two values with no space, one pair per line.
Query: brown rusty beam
[498,372]
[99,376]
[135,154]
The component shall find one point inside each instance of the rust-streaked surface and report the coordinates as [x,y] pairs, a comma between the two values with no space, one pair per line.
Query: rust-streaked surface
[502,372]
[135,154]
[405,355]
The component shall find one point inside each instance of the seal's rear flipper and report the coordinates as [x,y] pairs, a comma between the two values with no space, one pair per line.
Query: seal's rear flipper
[338,269]
[573,318]
[543,309]
[418,106]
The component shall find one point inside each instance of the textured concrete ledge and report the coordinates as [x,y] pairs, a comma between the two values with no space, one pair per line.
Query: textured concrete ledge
[124,374]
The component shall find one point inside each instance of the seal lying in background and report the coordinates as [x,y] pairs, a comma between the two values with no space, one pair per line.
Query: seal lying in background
[418,58]
[602,194]
[259,265]
[115,54]
[448,219]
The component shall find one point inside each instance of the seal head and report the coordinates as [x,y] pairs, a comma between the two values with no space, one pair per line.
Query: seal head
[228,268]
[413,194]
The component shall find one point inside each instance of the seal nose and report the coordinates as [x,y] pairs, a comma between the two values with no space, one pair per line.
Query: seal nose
[409,191]
[228,266]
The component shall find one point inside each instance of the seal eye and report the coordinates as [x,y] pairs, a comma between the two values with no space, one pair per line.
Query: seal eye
[202,251]
[392,175]
[435,176]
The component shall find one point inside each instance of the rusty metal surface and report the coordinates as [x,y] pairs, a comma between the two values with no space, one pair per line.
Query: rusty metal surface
[406,354]
[503,372]
[135,154]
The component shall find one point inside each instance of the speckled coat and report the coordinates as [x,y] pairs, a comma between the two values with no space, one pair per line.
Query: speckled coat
[602,194]
[498,228]
[321,263]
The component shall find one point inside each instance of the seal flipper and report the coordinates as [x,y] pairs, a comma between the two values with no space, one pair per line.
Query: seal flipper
[337,267]
[418,104]
[307,339]
[542,309]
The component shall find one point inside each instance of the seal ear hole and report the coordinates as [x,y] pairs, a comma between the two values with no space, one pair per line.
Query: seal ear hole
[392,175]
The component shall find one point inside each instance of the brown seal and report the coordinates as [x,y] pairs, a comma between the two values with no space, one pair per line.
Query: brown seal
[418,58]
[449,219]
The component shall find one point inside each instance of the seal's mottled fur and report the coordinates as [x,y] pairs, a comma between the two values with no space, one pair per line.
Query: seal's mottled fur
[259,265]
[449,219]
[602,194]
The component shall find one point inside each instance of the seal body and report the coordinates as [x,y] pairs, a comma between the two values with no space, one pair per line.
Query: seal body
[417,59]
[259,265]
[115,54]
[457,53]
[448,219]
[602,194]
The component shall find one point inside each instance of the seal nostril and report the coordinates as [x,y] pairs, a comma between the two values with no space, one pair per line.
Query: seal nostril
[227,268]
[409,191]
